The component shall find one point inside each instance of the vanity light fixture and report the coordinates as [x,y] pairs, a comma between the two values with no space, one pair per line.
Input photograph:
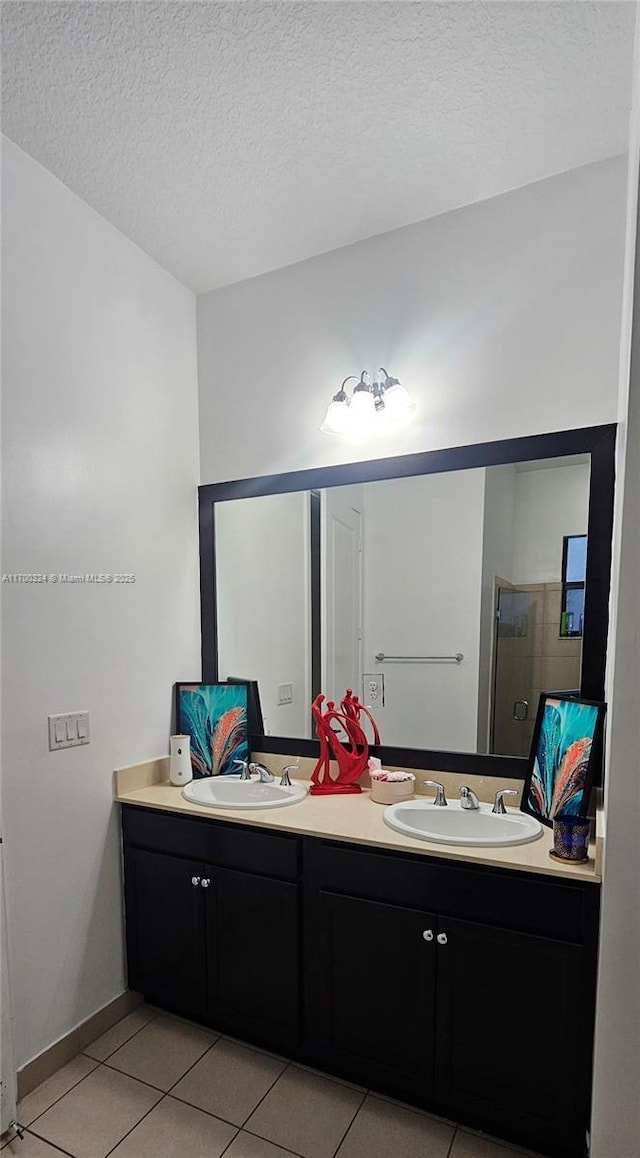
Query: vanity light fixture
[337,420]
[372,405]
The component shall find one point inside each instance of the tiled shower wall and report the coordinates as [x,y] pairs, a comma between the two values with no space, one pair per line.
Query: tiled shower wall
[542,660]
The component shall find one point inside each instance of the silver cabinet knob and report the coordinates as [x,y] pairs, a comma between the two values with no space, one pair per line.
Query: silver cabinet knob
[428,934]
[205,883]
[442,938]
[195,880]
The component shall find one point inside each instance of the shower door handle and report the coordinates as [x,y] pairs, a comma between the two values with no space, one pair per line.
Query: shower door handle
[520,710]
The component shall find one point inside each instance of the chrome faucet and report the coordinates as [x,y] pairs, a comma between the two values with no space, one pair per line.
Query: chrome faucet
[498,806]
[245,774]
[468,799]
[285,779]
[264,775]
[440,798]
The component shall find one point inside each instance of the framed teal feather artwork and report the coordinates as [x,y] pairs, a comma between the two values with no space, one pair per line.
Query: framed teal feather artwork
[565,747]
[215,716]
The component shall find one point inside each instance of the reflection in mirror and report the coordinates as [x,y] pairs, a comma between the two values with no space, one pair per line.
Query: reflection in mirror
[411,573]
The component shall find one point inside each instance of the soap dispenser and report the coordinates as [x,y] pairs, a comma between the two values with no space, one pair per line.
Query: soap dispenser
[180,771]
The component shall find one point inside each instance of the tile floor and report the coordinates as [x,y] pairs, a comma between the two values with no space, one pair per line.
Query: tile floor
[154,1086]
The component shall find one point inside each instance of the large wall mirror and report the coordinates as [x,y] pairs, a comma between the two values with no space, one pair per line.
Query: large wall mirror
[449,589]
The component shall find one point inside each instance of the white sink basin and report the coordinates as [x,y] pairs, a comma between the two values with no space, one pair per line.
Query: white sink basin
[456,825]
[228,792]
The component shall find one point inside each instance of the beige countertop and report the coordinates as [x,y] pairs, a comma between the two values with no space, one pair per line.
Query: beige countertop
[354,819]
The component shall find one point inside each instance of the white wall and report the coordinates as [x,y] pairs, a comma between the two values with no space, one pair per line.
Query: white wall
[422,586]
[616,1097]
[503,318]
[549,504]
[101,465]
[263,598]
[615,1127]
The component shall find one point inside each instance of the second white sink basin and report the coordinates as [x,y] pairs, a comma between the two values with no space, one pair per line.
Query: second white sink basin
[456,825]
[229,792]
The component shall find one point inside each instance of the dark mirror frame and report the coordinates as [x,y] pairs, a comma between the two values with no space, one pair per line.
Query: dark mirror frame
[597,441]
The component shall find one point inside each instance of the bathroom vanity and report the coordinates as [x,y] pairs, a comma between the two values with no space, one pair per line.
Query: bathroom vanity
[461,980]
[431,974]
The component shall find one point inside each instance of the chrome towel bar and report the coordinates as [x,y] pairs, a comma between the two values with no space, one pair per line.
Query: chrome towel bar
[382,658]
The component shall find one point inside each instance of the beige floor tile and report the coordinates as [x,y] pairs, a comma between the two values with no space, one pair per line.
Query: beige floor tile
[96,1114]
[110,1041]
[248,1146]
[414,1109]
[306,1113]
[173,1130]
[229,1081]
[257,1048]
[162,1052]
[380,1129]
[58,1084]
[182,1020]
[30,1147]
[324,1074]
[475,1146]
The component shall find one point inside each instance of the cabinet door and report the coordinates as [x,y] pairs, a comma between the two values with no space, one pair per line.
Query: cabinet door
[253,955]
[165,929]
[370,990]
[510,1043]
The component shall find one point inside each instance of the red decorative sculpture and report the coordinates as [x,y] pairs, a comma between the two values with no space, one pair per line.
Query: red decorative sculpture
[351,755]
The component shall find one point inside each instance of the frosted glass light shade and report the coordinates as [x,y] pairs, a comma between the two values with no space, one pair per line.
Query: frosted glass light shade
[338,419]
[363,411]
[397,401]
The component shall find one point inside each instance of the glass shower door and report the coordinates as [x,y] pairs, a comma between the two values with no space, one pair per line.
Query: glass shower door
[513,713]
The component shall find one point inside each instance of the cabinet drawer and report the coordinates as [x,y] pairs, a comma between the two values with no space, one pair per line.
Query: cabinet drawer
[226,845]
[512,900]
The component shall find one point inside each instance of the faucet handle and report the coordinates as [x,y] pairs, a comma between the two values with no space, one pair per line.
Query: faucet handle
[468,799]
[440,799]
[245,774]
[285,779]
[498,806]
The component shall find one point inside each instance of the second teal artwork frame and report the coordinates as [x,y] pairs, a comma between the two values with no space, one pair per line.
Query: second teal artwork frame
[564,748]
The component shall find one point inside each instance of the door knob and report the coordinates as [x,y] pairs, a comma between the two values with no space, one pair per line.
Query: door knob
[205,883]
[195,880]
[428,934]
[520,710]
[442,938]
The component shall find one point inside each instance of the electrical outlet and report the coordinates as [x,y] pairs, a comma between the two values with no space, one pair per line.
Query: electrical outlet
[285,694]
[373,690]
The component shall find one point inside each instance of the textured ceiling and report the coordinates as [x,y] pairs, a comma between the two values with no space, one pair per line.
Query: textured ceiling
[228,139]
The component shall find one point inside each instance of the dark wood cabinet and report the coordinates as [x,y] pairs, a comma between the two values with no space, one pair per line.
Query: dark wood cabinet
[211,942]
[509,1034]
[166,929]
[369,1003]
[253,955]
[464,989]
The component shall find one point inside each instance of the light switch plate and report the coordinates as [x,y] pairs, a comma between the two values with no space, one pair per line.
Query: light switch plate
[72,728]
[373,690]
